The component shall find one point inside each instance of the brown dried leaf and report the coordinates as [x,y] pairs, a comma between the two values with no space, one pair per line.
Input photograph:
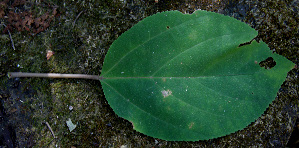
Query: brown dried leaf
[18,2]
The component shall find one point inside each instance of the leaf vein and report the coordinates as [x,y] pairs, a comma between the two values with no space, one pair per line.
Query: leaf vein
[162,32]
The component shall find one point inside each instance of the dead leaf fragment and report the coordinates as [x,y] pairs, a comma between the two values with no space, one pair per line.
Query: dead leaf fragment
[49,54]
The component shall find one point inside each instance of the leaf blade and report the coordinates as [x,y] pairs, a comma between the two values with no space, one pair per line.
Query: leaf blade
[151,79]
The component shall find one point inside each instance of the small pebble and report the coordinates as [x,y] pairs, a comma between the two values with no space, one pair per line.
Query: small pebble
[71,108]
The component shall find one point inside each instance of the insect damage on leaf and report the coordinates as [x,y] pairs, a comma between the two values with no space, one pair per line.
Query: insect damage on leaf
[268,63]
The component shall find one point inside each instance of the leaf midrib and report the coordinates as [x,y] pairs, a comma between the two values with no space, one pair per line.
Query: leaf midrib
[150,77]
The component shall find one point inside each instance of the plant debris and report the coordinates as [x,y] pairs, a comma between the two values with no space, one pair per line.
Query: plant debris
[49,54]
[23,16]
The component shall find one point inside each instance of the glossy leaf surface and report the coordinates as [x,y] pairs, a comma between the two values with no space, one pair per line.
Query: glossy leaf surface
[184,77]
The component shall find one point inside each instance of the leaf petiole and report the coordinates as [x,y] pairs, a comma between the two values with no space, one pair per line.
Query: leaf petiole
[53,75]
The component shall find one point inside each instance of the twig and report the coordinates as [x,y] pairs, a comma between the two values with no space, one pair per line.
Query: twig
[48,125]
[53,75]
[77,18]
[13,45]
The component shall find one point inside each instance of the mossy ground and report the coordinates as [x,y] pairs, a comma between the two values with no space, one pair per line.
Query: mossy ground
[80,37]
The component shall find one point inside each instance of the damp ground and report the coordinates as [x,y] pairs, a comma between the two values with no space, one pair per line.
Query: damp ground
[75,39]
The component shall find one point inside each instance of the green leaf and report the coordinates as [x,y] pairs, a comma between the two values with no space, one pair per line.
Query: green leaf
[184,77]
